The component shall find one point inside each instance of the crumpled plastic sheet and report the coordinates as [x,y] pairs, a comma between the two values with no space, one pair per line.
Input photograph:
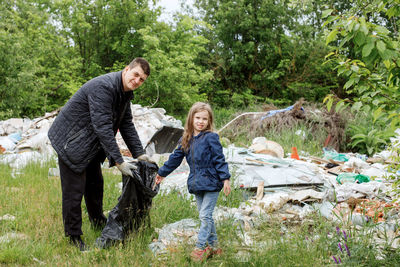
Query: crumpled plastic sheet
[174,234]
[370,190]
[374,172]
[239,216]
[7,143]
[273,171]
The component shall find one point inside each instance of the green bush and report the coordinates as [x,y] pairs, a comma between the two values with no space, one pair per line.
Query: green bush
[366,135]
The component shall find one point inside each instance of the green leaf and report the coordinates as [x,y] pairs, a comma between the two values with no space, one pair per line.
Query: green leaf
[341,70]
[330,54]
[359,38]
[362,89]
[363,27]
[356,106]
[329,104]
[339,106]
[372,132]
[331,36]
[359,136]
[330,19]
[387,63]
[381,30]
[381,46]
[351,25]
[377,114]
[366,109]
[349,83]
[354,68]
[376,102]
[367,49]
[326,13]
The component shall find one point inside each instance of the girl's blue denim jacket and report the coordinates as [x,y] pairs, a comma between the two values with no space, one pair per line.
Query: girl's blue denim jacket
[206,160]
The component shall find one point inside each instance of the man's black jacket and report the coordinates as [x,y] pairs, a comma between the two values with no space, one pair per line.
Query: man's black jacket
[89,121]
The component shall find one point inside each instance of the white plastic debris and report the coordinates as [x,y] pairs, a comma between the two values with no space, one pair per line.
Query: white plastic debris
[8,237]
[273,202]
[371,189]
[307,195]
[7,217]
[174,234]
[301,133]
[356,163]
[7,143]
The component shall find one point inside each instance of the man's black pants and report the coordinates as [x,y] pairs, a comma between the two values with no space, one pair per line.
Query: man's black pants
[74,186]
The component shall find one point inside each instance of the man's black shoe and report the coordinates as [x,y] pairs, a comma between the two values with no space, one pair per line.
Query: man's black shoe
[77,242]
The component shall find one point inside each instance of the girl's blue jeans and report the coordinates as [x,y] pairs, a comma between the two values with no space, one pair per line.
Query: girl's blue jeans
[206,202]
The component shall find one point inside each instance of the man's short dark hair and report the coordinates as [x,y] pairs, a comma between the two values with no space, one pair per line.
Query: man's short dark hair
[143,64]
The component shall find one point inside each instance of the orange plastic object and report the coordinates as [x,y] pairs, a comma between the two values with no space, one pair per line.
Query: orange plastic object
[294,154]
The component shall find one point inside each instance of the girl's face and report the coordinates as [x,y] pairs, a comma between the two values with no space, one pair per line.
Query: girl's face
[200,121]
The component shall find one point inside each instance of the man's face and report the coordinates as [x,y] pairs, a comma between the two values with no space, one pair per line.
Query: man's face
[133,78]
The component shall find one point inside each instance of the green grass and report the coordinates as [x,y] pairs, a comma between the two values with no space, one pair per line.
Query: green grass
[35,200]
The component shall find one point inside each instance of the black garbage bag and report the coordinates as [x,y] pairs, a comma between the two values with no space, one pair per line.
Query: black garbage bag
[133,205]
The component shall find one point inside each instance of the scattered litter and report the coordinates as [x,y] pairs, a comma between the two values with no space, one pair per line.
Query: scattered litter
[7,217]
[175,234]
[330,153]
[352,178]
[261,145]
[301,133]
[294,154]
[54,172]
[38,261]
[7,238]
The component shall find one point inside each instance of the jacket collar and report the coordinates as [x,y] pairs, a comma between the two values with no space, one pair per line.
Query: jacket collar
[200,134]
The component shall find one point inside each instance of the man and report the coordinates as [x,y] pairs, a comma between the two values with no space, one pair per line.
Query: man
[83,135]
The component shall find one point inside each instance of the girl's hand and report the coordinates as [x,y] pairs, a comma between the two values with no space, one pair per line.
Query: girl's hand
[227,187]
[158,180]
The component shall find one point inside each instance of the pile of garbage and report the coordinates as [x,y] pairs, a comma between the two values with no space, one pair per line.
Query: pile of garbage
[24,140]
[340,186]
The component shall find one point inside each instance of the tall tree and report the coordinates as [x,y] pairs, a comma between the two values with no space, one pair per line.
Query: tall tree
[33,60]
[262,49]
[176,79]
[104,32]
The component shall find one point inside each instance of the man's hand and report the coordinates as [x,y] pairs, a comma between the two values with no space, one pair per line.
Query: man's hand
[126,168]
[144,157]
[227,187]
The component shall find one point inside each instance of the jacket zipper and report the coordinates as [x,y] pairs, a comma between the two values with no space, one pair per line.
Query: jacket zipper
[73,137]
[194,165]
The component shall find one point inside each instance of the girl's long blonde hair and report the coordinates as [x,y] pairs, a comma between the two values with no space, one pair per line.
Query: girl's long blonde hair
[188,132]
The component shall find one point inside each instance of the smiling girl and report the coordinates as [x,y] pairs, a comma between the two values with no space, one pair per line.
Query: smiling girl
[209,173]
